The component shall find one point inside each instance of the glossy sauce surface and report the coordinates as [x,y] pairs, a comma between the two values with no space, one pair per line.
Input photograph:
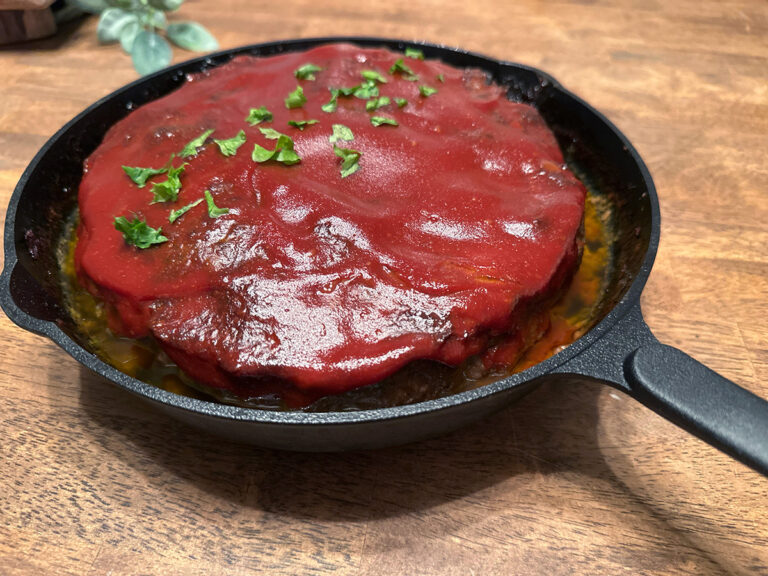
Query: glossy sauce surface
[460,225]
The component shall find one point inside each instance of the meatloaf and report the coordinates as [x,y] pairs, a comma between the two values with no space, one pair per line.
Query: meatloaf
[308,223]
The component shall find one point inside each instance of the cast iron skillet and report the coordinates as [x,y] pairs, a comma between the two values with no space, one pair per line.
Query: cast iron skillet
[619,350]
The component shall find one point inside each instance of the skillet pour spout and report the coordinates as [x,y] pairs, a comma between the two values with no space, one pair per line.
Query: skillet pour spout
[619,349]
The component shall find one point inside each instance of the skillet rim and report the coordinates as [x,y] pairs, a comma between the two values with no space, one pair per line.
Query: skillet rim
[628,301]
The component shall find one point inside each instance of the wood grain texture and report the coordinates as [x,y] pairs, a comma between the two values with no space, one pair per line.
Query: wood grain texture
[576,479]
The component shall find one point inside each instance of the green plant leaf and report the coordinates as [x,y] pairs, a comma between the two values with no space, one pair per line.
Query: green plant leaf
[138,233]
[128,35]
[176,214]
[150,52]
[141,175]
[191,36]
[341,132]
[414,53]
[301,124]
[383,121]
[296,99]
[229,146]
[213,210]
[90,6]
[167,5]
[258,115]
[157,19]
[190,148]
[306,72]
[350,160]
[427,91]
[112,22]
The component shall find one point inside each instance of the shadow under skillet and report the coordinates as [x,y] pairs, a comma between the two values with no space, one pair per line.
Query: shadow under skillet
[552,429]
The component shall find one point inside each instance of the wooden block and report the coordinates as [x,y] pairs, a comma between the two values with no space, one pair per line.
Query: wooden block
[22,25]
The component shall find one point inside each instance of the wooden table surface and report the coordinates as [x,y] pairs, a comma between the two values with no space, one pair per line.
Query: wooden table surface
[572,479]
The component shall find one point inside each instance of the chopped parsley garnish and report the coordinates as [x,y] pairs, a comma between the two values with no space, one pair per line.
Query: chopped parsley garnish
[350,160]
[229,146]
[376,103]
[401,102]
[213,210]
[141,175]
[191,148]
[306,72]
[367,89]
[373,76]
[399,67]
[138,233]
[414,53]
[283,151]
[441,78]
[168,189]
[381,120]
[301,124]
[333,103]
[341,132]
[296,99]
[427,91]
[348,91]
[258,115]
[176,214]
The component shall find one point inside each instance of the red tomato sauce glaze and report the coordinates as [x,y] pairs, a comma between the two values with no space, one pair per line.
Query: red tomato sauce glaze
[460,228]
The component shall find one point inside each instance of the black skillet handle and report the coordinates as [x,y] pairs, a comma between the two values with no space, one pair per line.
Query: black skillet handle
[677,387]
[698,399]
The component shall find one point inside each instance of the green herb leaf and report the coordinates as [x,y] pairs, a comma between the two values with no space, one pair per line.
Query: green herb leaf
[427,91]
[373,76]
[296,99]
[283,151]
[306,72]
[168,189]
[191,36]
[128,35]
[150,52]
[138,233]
[341,132]
[112,22]
[141,175]
[367,89]
[287,157]
[213,210]
[380,120]
[350,160]
[191,147]
[399,67]
[348,91]
[301,124]
[441,78]
[376,103]
[333,103]
[229,146]
[167,5]
[176,214]
[261,154]
[401,102]
[258,115]
[272,134]
[414,53]
[156,19]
